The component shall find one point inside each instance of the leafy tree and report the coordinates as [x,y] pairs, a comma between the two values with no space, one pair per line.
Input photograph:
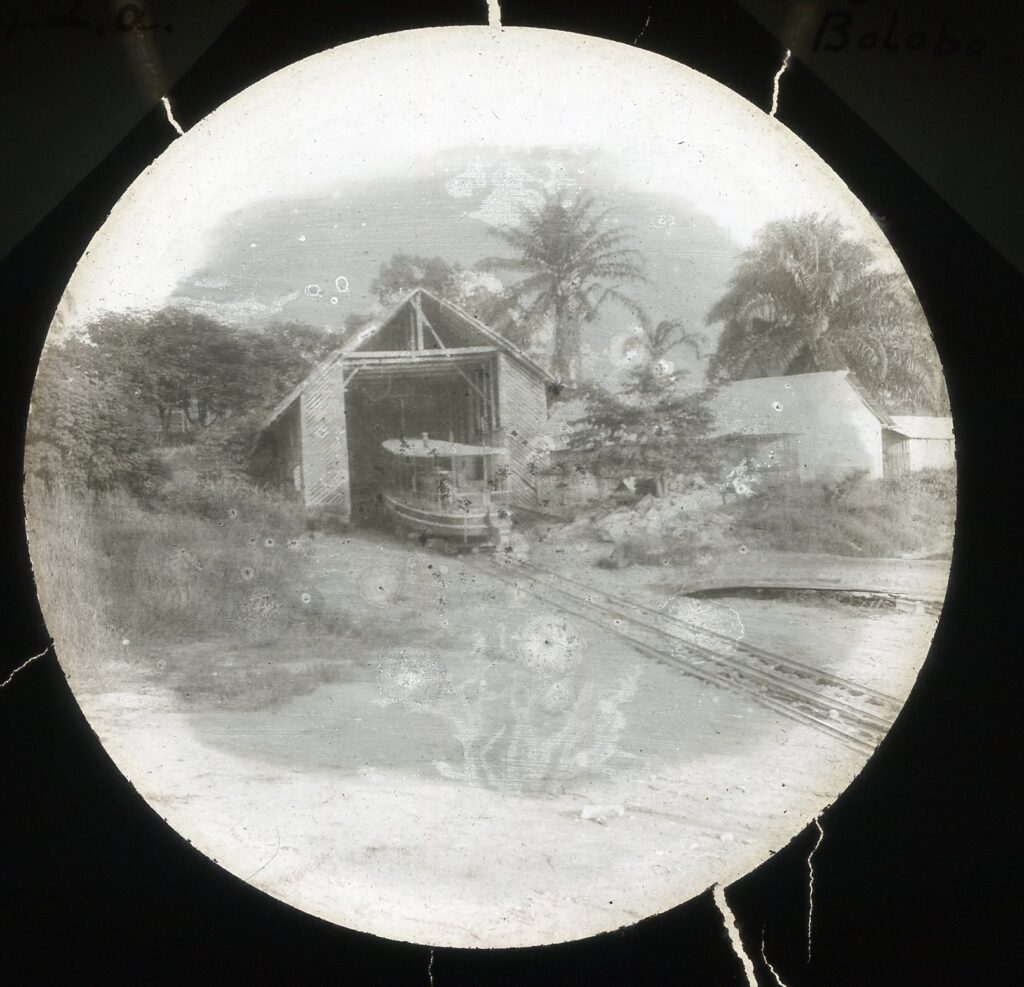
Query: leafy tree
[172,359]
[87,431]
[104,399]
[224,450]
[398,276]
[471,291]
[653,427]
[176,360]
[355,321]
[806,297]
[649,350]
[285,350]
[574,260]
[277,359]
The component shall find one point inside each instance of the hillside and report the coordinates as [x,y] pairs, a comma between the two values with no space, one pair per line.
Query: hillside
[312,258]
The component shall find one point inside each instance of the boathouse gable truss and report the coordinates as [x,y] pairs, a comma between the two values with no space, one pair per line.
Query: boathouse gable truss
[429,351]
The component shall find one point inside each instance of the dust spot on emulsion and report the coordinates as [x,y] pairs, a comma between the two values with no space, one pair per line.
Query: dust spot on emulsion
[261,609]
[701,624]
[626,349]
[409,676]
[549,644]
[560,696]
[381,587]
[312,600]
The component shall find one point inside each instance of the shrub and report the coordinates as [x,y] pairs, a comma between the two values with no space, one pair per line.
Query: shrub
[902,515]
[64,560]
[198,564]
[87,432]
[247,681]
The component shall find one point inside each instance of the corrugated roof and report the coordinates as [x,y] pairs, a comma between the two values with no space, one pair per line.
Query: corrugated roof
[761,406]
[786,405]
[922,426]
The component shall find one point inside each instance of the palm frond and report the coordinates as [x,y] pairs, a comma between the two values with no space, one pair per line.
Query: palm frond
[569,255]
[495,264]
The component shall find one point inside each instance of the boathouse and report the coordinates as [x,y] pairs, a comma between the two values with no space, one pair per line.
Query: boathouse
[425,368]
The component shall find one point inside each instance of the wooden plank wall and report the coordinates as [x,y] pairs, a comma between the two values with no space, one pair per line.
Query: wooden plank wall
[522,403]
[289,437]
[325,443]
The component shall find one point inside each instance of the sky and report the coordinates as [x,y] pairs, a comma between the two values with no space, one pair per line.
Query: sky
[313,258]
[416,142]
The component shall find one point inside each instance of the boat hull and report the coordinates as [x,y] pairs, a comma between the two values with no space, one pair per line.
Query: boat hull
[470,528]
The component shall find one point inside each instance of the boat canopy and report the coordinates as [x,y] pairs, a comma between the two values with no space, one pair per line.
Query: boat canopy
[438,448]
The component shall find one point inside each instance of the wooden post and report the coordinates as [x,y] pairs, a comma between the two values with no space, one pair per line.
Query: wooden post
[418,322]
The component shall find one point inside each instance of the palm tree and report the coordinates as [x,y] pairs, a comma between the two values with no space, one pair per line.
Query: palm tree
[574,261]
[653,371]
[807,298]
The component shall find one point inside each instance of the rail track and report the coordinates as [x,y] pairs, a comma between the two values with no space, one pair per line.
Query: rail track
[857,715]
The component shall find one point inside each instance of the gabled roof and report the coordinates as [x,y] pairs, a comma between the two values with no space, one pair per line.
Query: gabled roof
[879,412]
[766,406]
[446,315]
[451,318]
[922,426]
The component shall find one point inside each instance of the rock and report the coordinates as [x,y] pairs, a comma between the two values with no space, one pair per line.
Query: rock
[646,503]
[601,813]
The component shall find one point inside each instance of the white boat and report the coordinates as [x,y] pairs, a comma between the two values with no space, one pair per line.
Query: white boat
[449,490]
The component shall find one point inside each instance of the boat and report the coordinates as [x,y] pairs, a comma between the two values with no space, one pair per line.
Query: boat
[450,491]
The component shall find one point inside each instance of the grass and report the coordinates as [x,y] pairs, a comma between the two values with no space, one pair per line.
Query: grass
[904,516]
[910,515]
[123,580]
[218,674]
[64,557]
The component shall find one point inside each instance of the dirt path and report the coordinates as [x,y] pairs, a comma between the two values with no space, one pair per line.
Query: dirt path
[879,648]
[335,802]
[922,578]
